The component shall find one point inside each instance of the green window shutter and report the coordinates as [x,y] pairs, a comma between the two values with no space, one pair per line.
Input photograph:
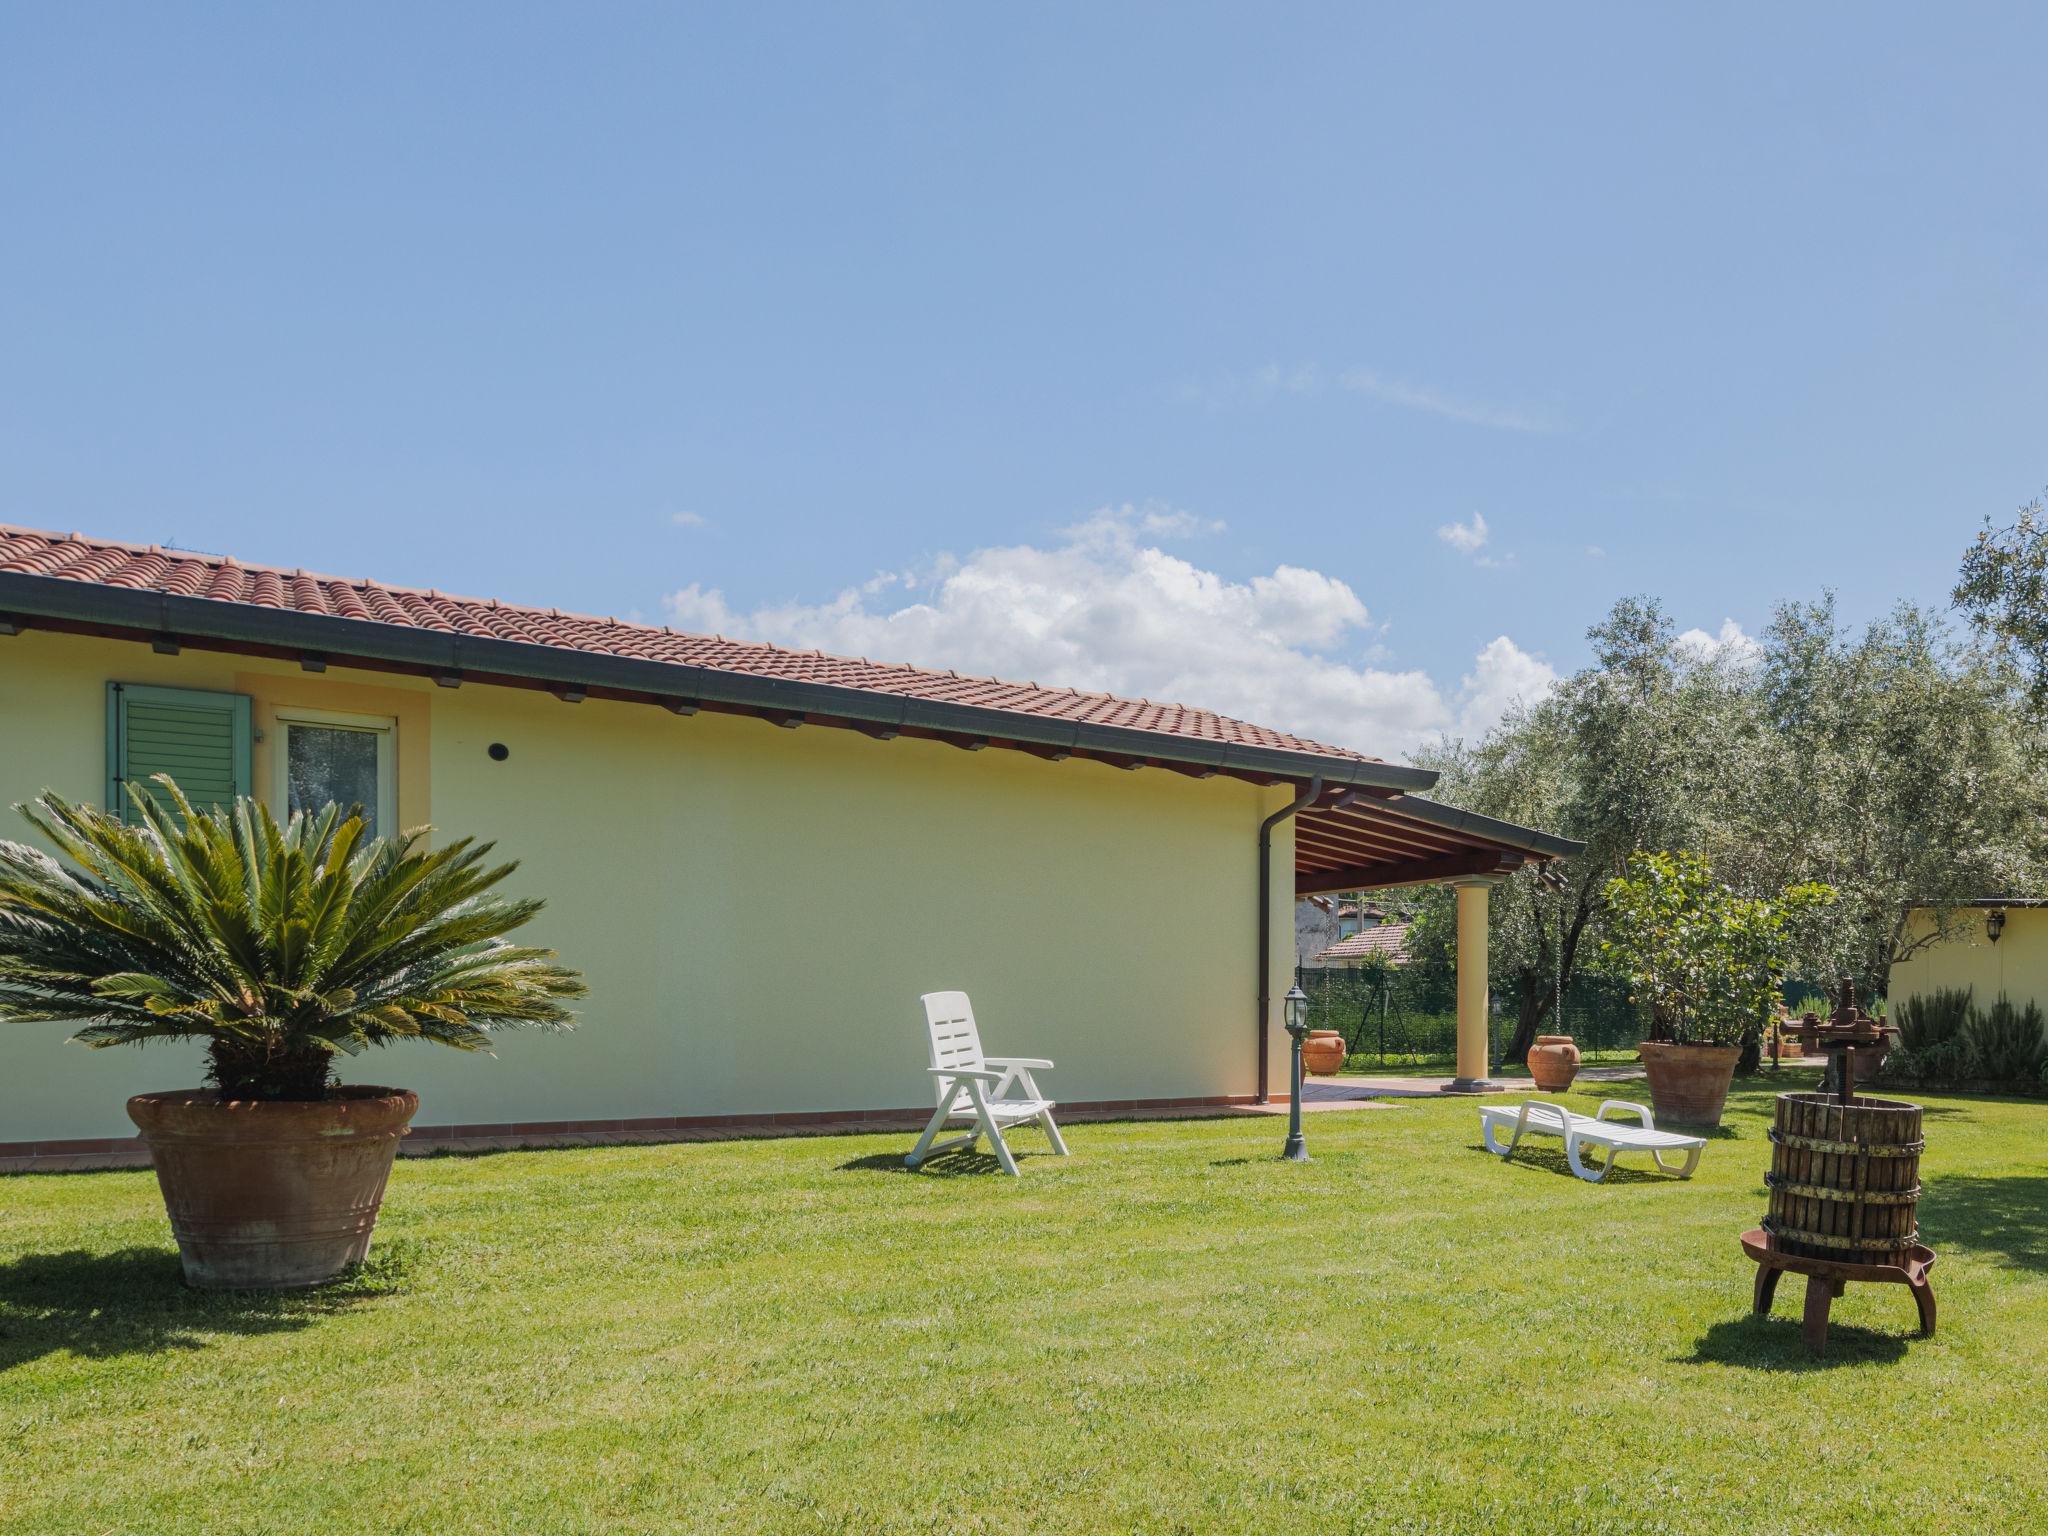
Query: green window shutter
[200,739]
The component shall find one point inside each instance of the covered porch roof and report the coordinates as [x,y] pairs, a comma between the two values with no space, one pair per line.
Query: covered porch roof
[1353,840]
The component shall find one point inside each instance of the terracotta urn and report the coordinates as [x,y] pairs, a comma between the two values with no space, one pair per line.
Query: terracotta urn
[1554,1062]
[272,1195]
[1870,1064]
[1323,1052]
[1688,1083]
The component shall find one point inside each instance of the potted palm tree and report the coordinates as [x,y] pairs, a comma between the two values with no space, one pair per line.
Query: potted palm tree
[1710,963]
[282,948]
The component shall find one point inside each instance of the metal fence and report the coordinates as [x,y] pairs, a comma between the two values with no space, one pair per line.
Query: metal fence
[1407,1016]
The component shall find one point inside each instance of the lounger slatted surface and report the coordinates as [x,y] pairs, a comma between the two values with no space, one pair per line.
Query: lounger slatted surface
[1538,1117]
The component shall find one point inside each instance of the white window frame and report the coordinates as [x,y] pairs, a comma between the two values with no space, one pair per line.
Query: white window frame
[383,727]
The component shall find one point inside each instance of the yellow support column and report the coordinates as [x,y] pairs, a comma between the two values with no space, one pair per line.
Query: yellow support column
[1472,984]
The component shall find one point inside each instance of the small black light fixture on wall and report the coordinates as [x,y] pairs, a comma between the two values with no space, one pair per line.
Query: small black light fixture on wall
[1994,925]
[1294,1014]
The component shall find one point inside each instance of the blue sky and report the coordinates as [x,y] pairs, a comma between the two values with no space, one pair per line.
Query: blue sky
[1130,346]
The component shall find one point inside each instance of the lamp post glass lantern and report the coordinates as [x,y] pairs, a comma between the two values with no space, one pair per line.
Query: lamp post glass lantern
[1294,1014]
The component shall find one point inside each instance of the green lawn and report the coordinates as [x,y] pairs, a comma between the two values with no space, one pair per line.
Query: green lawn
[1172,1331]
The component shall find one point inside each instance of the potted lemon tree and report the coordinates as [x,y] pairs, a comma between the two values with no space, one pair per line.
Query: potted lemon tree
[282,948]
[1709,962]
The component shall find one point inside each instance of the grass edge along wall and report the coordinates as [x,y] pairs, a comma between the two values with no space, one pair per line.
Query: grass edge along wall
[756,909]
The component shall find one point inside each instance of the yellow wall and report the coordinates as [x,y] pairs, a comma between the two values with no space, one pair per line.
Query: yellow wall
[756,909]
[2017,965]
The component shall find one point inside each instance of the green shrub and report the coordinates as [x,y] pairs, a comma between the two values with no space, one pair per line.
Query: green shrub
[1933,1036]
[1709,962]
[2006,1043]
[280,947]
[1934,1018]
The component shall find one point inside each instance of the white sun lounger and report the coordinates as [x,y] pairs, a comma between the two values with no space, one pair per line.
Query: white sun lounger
[1538,1118]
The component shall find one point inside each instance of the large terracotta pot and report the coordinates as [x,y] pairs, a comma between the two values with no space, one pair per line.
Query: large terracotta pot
[1688,1083]
[1554,1062]
[1323,1052]
[1870,1063]
[272,1195]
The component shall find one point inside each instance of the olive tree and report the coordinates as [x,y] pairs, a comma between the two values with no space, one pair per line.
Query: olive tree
[1623,755]
[1896,765]
[2002,588]
[1893,764]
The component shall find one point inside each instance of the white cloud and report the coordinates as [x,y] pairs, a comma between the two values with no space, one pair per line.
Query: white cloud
[689,519]
[1730,645]
[1502,675]
[1104,607]
[1595,552]
[1471,539]
[1171,522]
[1301,379]
[1273,380]
[1466,538]
[1438,402]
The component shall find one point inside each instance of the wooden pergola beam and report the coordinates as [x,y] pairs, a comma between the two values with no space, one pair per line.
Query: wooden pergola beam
[1415,826]
[1369,877]
[1308,857]
[1361,846]
[1380,824]
[1370,840]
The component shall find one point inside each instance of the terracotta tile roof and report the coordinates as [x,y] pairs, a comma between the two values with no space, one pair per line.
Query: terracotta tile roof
[182,573]
[1389,939]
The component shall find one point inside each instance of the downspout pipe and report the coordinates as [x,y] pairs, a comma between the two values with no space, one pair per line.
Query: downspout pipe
[1306,798]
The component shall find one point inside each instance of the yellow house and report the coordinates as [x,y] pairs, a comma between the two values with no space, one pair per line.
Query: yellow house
[1995,946]
[1112,880]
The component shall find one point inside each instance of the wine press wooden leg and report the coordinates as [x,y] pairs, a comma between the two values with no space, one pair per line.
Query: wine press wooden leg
[1766,1285]
[1820,1296]
[1923,1298]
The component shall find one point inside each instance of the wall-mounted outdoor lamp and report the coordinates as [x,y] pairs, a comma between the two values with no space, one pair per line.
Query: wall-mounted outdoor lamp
[1994,925]
[1294,1014]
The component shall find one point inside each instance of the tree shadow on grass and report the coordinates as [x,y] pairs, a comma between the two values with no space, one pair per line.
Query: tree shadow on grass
[1776,1344]
[1707,1132]
[1551,1160]
[2003,1216]
[135,1302]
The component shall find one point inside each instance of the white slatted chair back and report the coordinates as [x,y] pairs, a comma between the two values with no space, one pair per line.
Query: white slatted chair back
[955,1041]
[993,1094]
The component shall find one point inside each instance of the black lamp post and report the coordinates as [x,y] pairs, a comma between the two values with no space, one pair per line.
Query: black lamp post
[1294,1013]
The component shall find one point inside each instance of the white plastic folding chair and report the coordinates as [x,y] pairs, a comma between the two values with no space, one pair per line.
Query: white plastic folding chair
[992,1091]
